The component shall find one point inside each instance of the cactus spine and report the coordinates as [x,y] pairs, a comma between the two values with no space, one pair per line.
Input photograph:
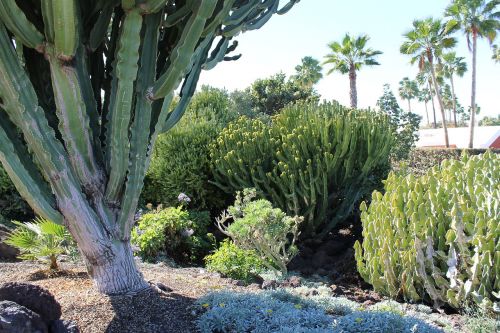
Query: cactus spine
[77,146]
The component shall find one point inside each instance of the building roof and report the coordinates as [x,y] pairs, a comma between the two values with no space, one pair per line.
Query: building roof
[484,137]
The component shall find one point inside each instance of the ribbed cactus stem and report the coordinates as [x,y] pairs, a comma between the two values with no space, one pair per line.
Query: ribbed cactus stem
[83,101]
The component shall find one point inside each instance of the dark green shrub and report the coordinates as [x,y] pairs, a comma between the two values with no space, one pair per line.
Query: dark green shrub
[235,263]
[175,233]
[311,161]
[436,237]
[420,161]
[181,163]
[12,205]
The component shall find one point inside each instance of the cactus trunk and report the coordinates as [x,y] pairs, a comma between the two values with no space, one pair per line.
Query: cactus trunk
[83,101]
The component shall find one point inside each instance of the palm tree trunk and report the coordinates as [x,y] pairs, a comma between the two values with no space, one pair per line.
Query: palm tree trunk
[409,105]
[441,105]
[433,105]
[352,82]
[454,101]
[473,95]
[427,113]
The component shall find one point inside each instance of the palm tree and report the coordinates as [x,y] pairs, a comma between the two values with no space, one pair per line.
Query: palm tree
[453,65]
[308,73]
[408,90]
[425,43]
[424,79]
[350,56]
[476,18]
[496,53]
[425,96]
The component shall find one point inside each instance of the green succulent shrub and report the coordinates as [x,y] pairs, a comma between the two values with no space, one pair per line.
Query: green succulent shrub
[311,161]
[12,205]
[173,232]
[257,226]
[235,263]
[42,240]
[436,237]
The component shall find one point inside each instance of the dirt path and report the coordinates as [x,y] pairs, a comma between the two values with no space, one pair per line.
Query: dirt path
[148,312]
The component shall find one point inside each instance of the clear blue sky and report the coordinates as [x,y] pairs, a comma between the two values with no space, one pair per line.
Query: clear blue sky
[312,24]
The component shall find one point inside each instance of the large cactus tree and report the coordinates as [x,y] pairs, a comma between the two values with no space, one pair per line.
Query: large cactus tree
[85,89]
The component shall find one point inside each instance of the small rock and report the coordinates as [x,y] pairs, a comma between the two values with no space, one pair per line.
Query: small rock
[254,286]
[334,287]
[269,284]
[63,326]
[15,318]
[292,282]
[237,283]
[368,303]
[163,287]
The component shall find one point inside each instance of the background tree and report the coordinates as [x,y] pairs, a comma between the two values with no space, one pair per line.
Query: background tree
[496,53]
[78,155]
[476,18]
[308,73]
[350,56]
[408,89]
[425,43]
[272,94]
[424,79]
[490,121]
[425,96]
[453,65]
[405,124]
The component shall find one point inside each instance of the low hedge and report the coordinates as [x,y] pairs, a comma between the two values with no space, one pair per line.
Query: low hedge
[421,160]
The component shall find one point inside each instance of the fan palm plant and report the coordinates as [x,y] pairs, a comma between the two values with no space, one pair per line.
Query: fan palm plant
[41,240]
[453,65]
[425,43]
[425,96]
[348,57]
[424,80]
[408,89]
[476,18]
[308,73]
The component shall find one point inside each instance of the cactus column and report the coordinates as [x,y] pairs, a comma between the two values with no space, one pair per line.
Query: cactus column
[85,89]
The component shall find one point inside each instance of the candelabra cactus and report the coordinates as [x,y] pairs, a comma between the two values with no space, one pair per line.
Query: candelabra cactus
[85,89]
[436,237]
[312,161]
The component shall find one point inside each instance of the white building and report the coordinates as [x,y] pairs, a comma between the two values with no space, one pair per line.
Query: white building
[484,137]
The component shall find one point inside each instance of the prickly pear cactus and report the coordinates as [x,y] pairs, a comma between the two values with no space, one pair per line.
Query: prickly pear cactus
[436,237]
[312,161]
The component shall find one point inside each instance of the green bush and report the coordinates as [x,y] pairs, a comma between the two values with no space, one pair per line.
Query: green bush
[180,160]
[436,237]
[259,227]
[181,163]
[173,232]
[12,205]
[42,240]
[421,160]
[235,263]
[311,161]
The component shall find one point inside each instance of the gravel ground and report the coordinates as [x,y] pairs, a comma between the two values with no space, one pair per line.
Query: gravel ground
[147,312]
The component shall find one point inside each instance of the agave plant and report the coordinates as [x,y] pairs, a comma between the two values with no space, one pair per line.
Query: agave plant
[41,240]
